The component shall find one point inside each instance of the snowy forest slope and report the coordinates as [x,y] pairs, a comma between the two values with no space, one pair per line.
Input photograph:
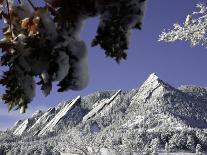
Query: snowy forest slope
[146,120]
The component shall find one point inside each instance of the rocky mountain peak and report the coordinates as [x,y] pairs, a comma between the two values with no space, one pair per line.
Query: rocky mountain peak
[152,77]
[153,86]
[155,108]
[152,82]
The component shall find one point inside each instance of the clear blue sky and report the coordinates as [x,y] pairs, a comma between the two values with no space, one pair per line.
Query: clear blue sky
[177,63]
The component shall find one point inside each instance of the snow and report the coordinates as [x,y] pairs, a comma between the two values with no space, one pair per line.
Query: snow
[62,153]
[61,105]
[20,130]
[49,127]
[17,123]
[48,23]
[151,117]
[177,153]
[106,151]
[151,82]
[100,106]
[43,119]
[79,66]
[26,124]
[152,86]
[130,124]
[62,61]
[37,113]
[97,103]
[80,77]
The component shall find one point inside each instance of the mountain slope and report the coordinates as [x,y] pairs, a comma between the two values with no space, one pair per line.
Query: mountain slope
[156,99]
[99,106]
[43,120]
[21,127]
[122,121]
[59,116]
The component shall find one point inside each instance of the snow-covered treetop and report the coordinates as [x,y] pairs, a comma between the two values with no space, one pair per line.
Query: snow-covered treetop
[45,42]
[194,28]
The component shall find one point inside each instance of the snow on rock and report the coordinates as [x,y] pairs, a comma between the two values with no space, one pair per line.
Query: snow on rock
[106,151]
[153,86]
[45,118]
[198,92]
[26,124]
[64,111]
[149,86]
[130,124]
[37,113]
[157,100]
[155,106]
[97,103]
[20,130]
[87,102]
[100,106]
[111,104]
[177,153]
[61,105]
[16,125]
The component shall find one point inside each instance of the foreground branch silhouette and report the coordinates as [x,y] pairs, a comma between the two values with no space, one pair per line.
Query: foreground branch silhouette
[45,42]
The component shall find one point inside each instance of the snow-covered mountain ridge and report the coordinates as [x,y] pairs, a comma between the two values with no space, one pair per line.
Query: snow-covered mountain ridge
[119,119]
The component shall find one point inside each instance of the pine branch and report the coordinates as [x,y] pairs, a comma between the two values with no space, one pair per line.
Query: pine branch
[8,9]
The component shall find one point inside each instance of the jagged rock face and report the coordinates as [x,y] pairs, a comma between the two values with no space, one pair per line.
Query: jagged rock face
[43,120]
[100,105]
[61,105]
[149,95]
[22,127]
[155,107]
[15,126]
[151,88]
[88,102]
[155,104]
[108,112]
[66,114]
[60,115]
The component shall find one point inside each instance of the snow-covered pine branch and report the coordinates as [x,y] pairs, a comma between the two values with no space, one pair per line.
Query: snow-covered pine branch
[194,29]
[45,42]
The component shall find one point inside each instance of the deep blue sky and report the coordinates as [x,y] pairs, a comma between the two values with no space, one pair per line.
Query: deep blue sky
[177,63]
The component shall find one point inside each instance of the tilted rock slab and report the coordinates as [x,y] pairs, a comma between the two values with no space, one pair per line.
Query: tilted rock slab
[49,127]
[100,106]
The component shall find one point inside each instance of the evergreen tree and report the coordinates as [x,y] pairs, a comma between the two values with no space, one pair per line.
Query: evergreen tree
[2,150]
[166,147]
[43,150]
[173,143]
[154,146]
[191,143]
[147,150]
[199,149]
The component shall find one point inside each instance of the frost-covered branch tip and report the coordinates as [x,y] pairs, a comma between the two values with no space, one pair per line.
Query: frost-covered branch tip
[194,29]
